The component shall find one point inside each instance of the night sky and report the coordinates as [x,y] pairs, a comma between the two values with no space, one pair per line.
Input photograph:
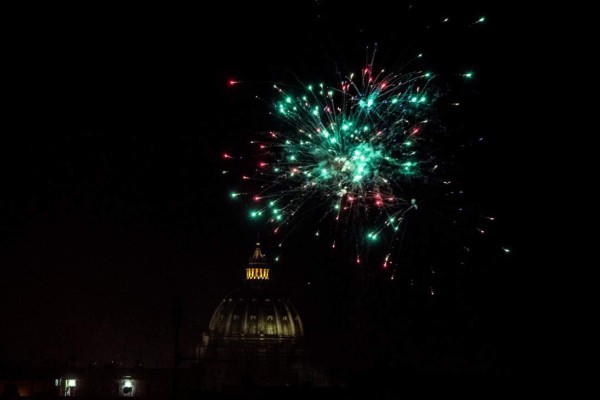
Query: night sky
[113,201]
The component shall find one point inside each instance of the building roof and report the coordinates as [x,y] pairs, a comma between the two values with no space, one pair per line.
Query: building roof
[255,313]
[256,310]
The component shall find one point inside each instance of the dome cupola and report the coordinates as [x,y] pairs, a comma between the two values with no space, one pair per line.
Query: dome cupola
[257,310]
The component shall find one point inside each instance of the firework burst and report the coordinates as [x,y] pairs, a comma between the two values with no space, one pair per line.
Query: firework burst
[353,153]
[353,160]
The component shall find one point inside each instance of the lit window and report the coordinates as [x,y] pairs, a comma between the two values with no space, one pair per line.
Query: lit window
[252,317]
[70,387]
[127,387]
[270,318]
[257,273]
[236,317]
[285,318]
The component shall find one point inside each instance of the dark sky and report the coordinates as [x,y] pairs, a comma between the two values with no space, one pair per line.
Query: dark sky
[113,202]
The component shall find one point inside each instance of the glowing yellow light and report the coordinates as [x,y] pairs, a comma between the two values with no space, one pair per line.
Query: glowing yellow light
[257,273]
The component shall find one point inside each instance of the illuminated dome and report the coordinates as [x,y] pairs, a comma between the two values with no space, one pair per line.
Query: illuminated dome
[255,334]
[256,311]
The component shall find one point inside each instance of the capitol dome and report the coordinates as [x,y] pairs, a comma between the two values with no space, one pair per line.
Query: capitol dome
[255,313]
[255,333]
[256,310]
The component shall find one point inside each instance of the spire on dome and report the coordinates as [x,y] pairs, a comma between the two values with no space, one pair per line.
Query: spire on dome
[258,256]
[258,268]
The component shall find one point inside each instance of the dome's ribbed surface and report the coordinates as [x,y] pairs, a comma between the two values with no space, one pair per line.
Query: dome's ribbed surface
[255,314]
